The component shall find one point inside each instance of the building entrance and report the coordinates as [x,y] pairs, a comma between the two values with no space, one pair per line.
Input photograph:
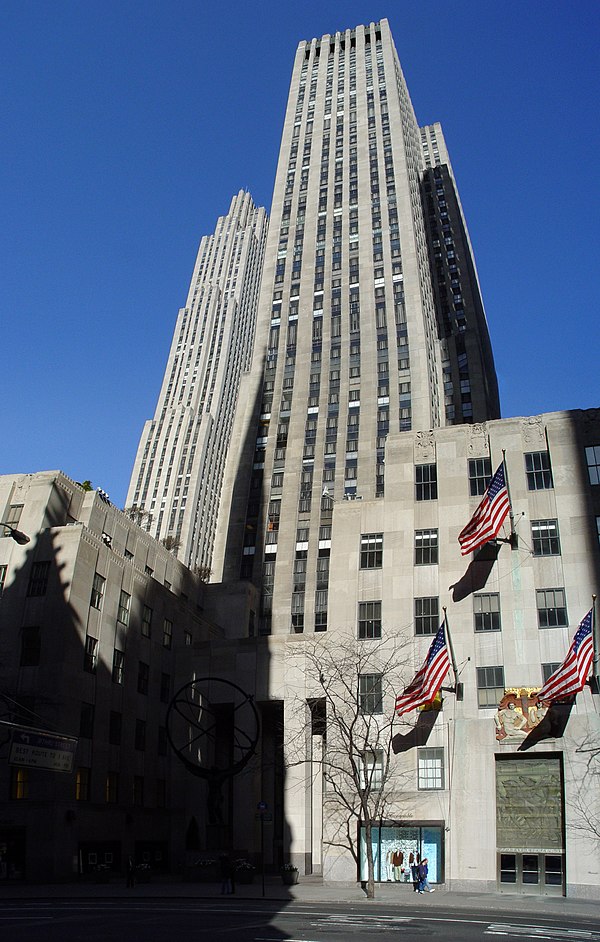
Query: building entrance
[530,825]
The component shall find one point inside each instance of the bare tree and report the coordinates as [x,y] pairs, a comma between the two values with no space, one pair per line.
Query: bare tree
[350,687]
[585,805]
[138,515]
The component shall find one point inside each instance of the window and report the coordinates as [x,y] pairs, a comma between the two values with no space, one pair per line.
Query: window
[430,768]
[97,591]
[426,482]
[19,783]
[370,765]
[426,547]
[140,735]
[143,677]
[111,791]
[124,604]
[31,647]
[3,572]
[146,621]
[12,518]
[187,638]
[490,686]
[480,472]
[369,620]
[551,608]
[165,688]
[538,470]
[138,790]
[427,615]
[370,694]
[82,784]
[371,551]
[548,670]
[544,535]
[117,667]
[486,609]
[162,741]
[38,579]
[86,721]
[90,654]
[167,633]
[115,724]
[592,456]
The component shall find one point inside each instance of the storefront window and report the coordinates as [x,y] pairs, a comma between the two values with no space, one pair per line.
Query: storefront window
[396,848]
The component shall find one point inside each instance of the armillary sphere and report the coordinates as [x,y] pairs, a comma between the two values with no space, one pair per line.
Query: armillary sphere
[213,727]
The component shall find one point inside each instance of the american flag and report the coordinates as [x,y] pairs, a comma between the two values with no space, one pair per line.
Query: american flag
[571,676]
[488,518]
[428,680]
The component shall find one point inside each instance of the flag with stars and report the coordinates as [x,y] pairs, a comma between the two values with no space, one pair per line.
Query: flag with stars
[485,523]
[570,678]
[428,680]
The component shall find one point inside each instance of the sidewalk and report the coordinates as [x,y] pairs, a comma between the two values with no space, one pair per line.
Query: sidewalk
[311,889]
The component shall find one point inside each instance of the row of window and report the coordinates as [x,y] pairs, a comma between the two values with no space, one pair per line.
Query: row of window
[550,604]
[19,787]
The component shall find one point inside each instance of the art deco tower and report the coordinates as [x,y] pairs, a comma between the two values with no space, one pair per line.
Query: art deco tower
[176,481]
[370,320]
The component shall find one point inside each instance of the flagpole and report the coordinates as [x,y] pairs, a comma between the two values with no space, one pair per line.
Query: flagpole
[452,657]
[513,538]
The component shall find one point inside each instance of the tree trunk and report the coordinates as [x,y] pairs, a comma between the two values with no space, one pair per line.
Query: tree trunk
[370,862]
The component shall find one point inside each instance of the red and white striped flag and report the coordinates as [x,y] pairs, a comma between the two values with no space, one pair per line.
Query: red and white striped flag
[571,676]
[428,680]
[485,523]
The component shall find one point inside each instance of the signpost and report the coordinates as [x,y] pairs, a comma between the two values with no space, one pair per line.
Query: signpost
[262,814]
[42,750]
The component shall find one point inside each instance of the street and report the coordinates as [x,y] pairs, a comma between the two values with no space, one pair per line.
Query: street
[254,921]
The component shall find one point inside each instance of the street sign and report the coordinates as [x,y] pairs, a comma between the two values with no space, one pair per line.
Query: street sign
[42,751]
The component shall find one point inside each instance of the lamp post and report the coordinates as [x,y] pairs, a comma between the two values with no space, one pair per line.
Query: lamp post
[17,535]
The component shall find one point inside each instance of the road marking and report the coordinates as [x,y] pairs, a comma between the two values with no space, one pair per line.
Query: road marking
[543,932]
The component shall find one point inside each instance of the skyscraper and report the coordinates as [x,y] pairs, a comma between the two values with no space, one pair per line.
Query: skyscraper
[176,481]
[370,317]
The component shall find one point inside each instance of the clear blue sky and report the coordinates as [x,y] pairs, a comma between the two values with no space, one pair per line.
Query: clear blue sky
[127,127]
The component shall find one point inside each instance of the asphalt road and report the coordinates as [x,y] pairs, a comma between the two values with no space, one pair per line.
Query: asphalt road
[252,921]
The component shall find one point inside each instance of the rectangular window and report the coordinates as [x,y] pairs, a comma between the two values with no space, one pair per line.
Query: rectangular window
[427,615]
[146,621]
[371,550]
[369,620]
[12,518]
[538,470]
[545,538]
[38,580]
[138,791]
[143,678]
[480,473]
[592,456]
[82,784]
[162,741]
[426,482]
[124,604]
[370,766]
[426,547]
[115,724]
[31,647]
[551,608]
[86,721]
[548,670]
[140,735]
[117,666]
[3,572]
[370,693]
[167,633]
[97,591]
[486,610]
[165,688]
[111,792]
[19,783]
[90,654]
[430,768]
[490,686]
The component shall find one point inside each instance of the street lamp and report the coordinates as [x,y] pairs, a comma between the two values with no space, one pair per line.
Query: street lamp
[17,535]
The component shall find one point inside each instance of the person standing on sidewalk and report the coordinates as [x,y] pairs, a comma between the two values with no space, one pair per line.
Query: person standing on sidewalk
[413,863]
[423,881]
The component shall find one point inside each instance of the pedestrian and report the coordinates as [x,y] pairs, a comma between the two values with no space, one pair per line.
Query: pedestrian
[413,863]
[423,873]
[227,875]
[130,872]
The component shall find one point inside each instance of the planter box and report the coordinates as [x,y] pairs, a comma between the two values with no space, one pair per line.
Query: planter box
[289,877]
